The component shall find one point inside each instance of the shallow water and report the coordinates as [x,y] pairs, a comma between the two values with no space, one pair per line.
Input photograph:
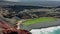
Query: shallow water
[50,30]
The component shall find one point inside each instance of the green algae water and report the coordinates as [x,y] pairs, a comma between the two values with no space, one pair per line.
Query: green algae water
[50,30]
[39,20]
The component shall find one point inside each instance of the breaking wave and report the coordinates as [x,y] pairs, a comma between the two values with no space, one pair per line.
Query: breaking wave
[50,30]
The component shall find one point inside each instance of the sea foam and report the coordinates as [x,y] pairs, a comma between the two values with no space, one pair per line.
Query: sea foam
[49,30]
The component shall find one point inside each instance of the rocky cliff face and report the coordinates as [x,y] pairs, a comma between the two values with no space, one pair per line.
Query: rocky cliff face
[17,12]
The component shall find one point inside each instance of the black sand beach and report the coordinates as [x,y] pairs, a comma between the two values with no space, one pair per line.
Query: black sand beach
[42,25]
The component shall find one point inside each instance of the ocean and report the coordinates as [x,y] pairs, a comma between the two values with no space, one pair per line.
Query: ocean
[49,30]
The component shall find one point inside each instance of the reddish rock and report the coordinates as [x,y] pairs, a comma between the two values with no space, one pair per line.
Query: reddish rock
[16,32]
[9,29]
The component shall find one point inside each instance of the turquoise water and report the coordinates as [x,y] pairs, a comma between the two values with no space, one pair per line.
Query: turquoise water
[55,32]
[50,30]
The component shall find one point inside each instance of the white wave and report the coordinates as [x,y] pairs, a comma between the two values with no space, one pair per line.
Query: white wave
[44,30]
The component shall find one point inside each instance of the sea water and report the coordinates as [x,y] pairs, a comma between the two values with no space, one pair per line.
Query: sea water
[49,30]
